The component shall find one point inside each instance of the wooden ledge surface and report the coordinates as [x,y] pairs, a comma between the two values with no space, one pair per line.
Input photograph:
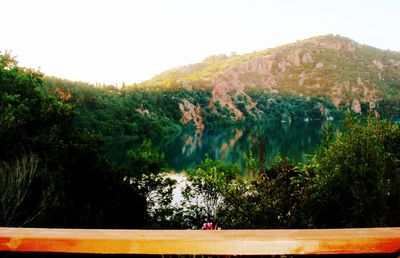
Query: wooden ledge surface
[216,242]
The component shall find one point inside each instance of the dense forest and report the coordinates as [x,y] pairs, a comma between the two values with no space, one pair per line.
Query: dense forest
[55,172]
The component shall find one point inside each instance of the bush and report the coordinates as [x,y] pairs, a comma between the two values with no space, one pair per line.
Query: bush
[356,176]
[207,187]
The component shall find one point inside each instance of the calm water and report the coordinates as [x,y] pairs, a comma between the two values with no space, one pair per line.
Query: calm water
[232,144]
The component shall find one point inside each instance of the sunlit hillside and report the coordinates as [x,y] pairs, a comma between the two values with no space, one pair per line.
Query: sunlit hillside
[336,67]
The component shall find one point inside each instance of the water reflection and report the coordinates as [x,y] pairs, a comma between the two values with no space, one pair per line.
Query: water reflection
[229,144]
[293,140]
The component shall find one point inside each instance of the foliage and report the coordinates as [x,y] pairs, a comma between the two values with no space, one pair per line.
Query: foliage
[145,160]
[206,188]
[146,171]
[157,190]
[30,119]
[273,200]
[88,192]
[356,176]
[280,196]
[293,108]
[389,108]
[109,111]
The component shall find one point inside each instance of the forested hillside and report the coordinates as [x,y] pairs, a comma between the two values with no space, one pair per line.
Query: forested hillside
[333,69]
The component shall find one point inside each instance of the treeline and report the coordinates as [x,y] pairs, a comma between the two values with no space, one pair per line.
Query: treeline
[139,113]
[133,112]
[54,171]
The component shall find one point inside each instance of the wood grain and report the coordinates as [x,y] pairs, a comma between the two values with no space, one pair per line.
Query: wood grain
[212,242]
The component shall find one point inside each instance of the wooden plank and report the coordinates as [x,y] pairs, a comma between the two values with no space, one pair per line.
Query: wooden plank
[211,242]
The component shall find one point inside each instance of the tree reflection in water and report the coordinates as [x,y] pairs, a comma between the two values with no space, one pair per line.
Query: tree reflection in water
[232,144]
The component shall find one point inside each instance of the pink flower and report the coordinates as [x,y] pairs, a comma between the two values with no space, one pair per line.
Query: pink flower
[210,226]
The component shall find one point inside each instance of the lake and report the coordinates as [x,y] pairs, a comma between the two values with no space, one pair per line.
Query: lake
[232,144]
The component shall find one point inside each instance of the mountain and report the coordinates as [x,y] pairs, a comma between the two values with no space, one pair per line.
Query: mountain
[328,67]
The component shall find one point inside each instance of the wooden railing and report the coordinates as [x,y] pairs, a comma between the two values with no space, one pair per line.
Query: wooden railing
[207,242]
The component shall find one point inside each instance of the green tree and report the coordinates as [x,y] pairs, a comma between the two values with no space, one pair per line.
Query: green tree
[146,172]
[205,192]
[30,119]
[146,160]
[280,196]
[356,176]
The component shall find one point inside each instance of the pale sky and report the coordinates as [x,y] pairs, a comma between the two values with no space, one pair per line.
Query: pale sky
[115,41]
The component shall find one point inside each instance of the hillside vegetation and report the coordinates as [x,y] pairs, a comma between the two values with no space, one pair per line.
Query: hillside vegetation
[333,68]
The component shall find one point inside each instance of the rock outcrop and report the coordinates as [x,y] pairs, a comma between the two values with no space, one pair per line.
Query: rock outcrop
[191,113]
